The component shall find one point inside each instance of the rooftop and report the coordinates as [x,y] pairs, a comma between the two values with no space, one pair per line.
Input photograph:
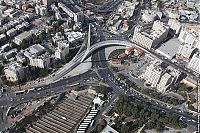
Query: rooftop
[23,35]
[169,48]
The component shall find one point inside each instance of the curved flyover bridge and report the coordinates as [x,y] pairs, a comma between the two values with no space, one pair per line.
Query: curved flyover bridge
[88,52]
[107,43]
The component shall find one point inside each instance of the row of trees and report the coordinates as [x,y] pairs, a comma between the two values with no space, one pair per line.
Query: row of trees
[151,93]
[142,113]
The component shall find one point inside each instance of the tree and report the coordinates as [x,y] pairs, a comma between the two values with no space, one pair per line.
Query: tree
[121,76]
[43,72]
[1,69]
[124,129]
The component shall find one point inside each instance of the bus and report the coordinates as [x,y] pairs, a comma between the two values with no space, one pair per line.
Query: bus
[8,111]
[19,92]
[31,90]
[74,84]
[92,123]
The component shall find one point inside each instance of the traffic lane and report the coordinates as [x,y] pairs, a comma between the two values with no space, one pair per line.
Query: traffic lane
[188,118]
[156,103]
[103,73]
[5,99]
[16,99]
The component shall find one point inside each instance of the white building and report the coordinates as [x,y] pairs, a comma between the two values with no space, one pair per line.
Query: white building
[173,14]
[2,37]
[189,37]
[138,29]
[62,50]
[69,12]
[151,39]
[126,9]
[77,17]
[41,10]
[47,2]
[153,73]
[194,63]
[165,81]
[186,50]
[169,48]
[14,72]
[74,37]
[21,38]
[149,16]
[33,53]
[12,32]
[42,61]
[159,77]
[58,37]
[175,25]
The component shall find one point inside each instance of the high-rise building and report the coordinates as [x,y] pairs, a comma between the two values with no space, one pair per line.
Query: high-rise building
[153,74]
[186,50]
[62,50]
[14,72]
[151,39]
[159,77]
[175,25]
[194,63]
[189,37]
[165,81]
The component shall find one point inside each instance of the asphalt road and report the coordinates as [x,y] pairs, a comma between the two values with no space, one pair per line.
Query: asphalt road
[109,78]
[106,75]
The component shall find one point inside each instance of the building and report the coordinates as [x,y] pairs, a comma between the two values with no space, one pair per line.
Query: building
[21,38]
[47,2]
[58,37]
[10,54]
[175,25]
[149,16]
[152,38]
[2,37]
[191,4]
[74,37]
[69,12]
[41,61]
[14,72]
[126,9]
[194,63]
[165,81]
[36,57]
[109,129]
[169,49]
[9,11]
[138,29]
[2,9]
[189,37]
[153,74]
[12,32]
[41,10]
[173,14]
[62,50]
[76,16]
[186,51]
[159,76]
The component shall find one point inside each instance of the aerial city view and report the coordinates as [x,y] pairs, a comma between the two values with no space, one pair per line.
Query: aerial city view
[99,66]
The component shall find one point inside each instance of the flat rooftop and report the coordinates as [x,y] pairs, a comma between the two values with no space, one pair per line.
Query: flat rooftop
[66,115]
[169,48]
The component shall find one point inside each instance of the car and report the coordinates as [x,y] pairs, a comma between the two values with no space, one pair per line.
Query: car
[11,99]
